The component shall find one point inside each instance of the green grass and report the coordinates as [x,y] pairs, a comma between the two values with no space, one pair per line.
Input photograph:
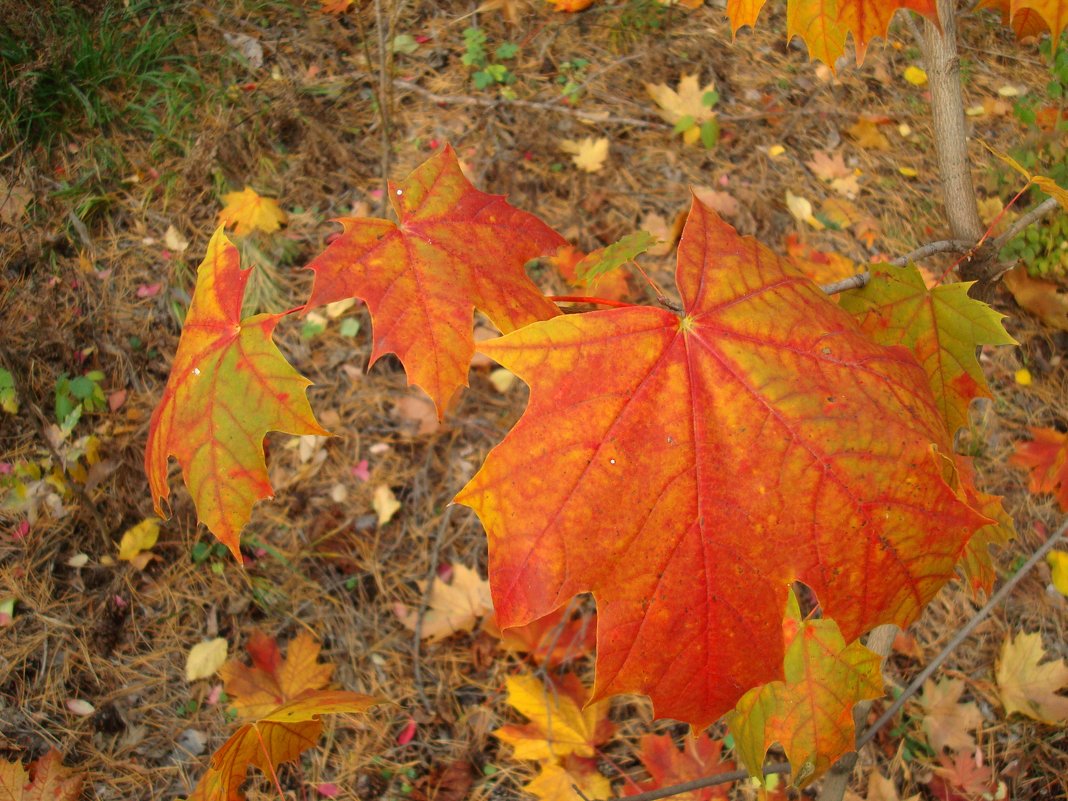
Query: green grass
[66,72]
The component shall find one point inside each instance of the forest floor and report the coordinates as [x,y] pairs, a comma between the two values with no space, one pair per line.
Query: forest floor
[108,196]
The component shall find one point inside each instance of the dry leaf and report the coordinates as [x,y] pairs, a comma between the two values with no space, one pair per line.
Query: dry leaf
[946,721]
[46,780]
[452,607]
[1028,687]
[247,211]
[801,209]
[588,154]
[502,379]
[722,202]
[1044,299]
[205,659]
[416,411]
[272,681]
[686,103]
[174,240]
[867,134]
[385,504]
[137,540]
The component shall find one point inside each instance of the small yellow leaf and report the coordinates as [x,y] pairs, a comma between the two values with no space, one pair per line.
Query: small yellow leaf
[915,76]
[1058,566]
[975,111]
[174,240]
[139,538]
[502,379]
[247,211]
[908,172]
[1023,377]
[205,659]
[1009,91]
[801,209]
[589,154]
[776,150]
[385,503]
[904,130]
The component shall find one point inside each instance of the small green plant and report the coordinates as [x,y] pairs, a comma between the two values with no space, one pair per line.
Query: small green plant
[1044,251]
[572,74]
[489,73]
[77,395]
[709,128]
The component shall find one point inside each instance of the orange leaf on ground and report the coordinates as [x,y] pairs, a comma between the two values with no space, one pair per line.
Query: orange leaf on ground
[811,713]
[562,723]
[229,385]
[1046,459]
[281,735]
[455,249]
[667,765]
[550,640]
[46,780]
[686,471]
[271,680]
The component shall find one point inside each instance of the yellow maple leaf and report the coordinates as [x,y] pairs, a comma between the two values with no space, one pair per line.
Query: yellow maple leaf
[271,680]
[560,726]
[452,607]
[589,154]
[685,103]
[1027,687]
[248,211]
[137,540]
[557,780]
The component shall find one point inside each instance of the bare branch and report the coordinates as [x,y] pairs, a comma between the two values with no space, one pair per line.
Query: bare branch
[1042,210]
[858,281]
[942,246]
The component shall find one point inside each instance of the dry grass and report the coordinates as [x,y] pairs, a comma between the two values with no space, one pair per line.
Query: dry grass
[307,133]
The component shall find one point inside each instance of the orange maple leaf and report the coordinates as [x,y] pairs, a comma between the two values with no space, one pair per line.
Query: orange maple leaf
[279,736]
[272,681]
[667,765]
[1046,458]
[686,471]
[455,249]
[229,385]
[1032,17]
[46,780]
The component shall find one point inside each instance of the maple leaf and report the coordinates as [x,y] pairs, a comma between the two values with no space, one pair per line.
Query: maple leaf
[1030,688]
[977,563]
[832,170]
[946,720]
[46,780]
[810,713]
[686,105]
[550,640]
[1046,457]
[965,772]
[1032,17]
[562,722]
[280,735]
[247,211]
[455,249]
[556,781]
[700,465]
[1047,185]
[823,24]
[667,765]
[271,680]
[943,326]
[229,385]
[588,154]
[453,607]
[1044,299]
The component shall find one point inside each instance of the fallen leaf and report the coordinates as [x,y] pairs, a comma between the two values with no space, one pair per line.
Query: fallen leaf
[821,267]
[502,379]
[947,721]
[915,76]
[966,773]
[562,721]
[511,10]
[80,707]
[247,211]
[271,680]
[13,202]
[1030,688]
[667,765]
[1046,459]
[1044,299]
[46,780]
[385,503]
[571,5]
[205,659]
[449,783]
[686,106]
[416,412]
[801,210]
[452,607]
[250,48]
[174,240]
[280,735]
[588,154]
[550,640]
[556,781]
[724,203]
[867,135]
[138,539]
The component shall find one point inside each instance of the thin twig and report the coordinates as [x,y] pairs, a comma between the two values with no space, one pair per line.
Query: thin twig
[942,246]
[858,281]
[1043,209]
[385,99]
[961,636]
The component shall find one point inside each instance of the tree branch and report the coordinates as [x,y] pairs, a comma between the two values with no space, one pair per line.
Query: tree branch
[1039,212]
[942,246]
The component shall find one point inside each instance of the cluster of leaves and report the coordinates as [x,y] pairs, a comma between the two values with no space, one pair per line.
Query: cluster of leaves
[46,780]
[487,73]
